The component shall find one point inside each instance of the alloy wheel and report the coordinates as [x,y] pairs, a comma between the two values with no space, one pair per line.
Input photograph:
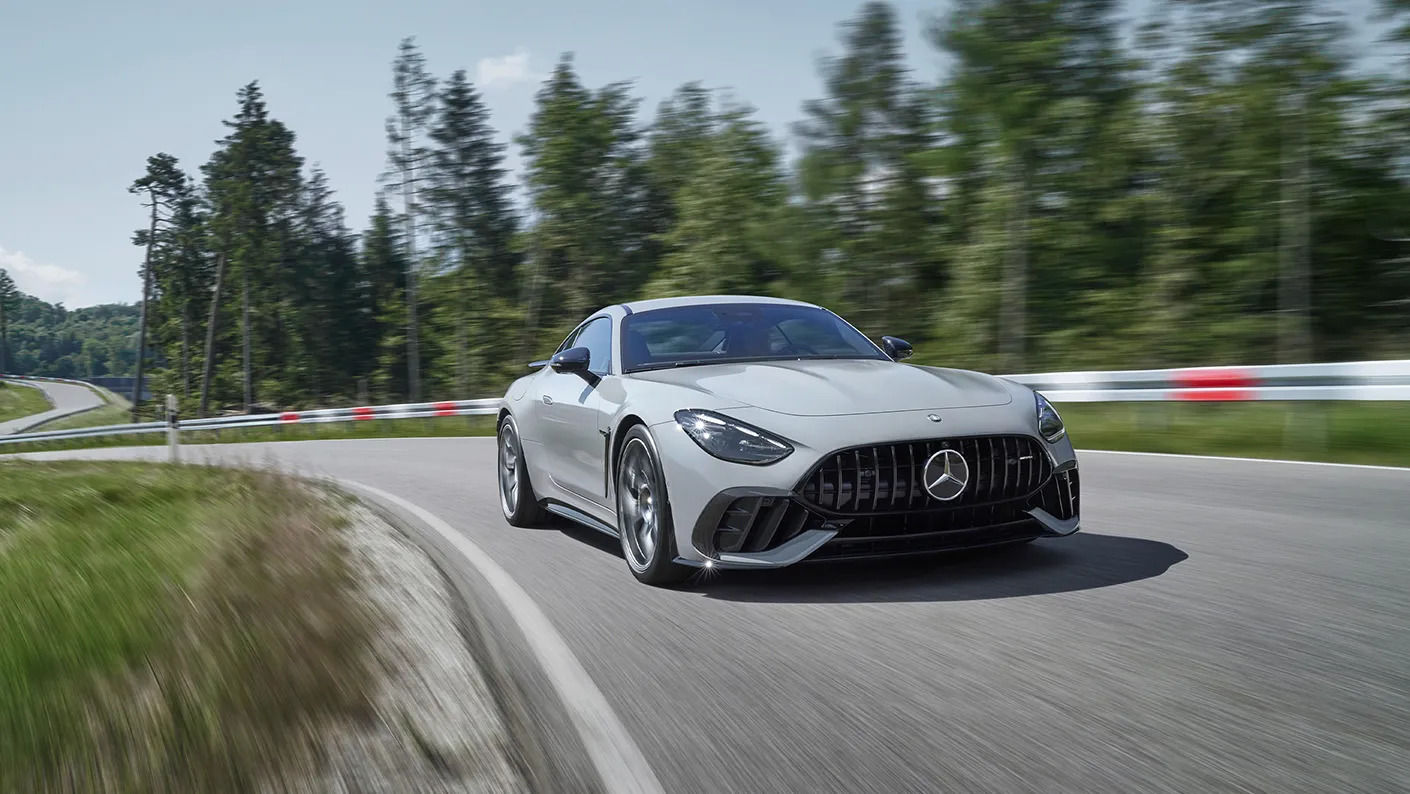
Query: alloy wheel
[638,498]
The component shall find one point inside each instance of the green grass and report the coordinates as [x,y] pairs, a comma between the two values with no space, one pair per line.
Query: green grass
[19,401]
[167,628]
[1344,432]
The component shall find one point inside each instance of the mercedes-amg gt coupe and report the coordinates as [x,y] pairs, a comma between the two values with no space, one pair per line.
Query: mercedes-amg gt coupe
[742,432]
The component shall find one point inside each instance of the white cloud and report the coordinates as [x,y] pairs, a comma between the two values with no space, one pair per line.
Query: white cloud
[51,283]
[505,70]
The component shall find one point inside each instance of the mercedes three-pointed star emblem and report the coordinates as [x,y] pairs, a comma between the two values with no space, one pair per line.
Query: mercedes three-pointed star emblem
[945,475]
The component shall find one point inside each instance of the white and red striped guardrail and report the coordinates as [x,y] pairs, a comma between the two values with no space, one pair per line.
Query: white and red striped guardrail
[1357,380]
[1361,380]
[361,413]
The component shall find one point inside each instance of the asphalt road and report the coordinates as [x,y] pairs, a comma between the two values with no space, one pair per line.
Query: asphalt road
[1217,625]
[66,398]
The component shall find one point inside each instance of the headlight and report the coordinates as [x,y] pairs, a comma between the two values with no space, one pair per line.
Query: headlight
[1049,423]
[730,439]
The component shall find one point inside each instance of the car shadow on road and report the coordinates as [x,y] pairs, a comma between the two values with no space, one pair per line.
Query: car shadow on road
[1050,565]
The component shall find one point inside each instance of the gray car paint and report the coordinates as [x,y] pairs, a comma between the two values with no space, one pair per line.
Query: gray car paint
[819,406]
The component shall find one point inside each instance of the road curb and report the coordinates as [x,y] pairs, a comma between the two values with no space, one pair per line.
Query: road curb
[569,739]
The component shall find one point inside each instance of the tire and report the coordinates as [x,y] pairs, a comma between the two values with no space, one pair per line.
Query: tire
[516,494]
[644,513]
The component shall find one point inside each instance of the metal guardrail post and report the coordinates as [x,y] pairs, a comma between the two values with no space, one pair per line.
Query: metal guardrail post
[173,429]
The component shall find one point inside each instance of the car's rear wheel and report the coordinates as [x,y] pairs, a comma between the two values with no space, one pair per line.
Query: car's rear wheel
[516,494]
[644,514]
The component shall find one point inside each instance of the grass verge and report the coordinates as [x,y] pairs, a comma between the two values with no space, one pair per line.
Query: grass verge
[170,628]
[19,401]
[1375,433]
[1343,432]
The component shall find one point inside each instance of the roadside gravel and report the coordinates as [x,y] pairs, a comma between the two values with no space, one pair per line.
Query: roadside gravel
[437,728]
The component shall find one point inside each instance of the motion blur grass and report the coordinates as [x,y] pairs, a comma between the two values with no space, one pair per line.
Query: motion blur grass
[168,628]
[18,401]
[1375,433]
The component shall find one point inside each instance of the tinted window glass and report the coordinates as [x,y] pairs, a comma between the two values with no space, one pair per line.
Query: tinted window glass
[568,342]
[596,336]
[708,334]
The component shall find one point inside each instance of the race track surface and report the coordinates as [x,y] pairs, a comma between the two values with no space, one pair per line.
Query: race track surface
[1216,625]
[67,399]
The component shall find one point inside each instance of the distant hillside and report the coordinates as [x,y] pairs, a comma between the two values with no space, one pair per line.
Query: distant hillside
[47,339]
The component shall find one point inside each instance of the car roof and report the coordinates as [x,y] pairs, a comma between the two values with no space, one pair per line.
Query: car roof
[697,300]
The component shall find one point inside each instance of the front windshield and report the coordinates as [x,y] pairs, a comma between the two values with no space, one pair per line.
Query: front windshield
[715,333]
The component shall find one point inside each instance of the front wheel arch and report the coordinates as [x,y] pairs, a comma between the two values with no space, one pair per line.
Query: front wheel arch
[619,435]
[661,569]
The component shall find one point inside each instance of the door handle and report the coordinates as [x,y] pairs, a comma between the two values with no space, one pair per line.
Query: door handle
[547,400]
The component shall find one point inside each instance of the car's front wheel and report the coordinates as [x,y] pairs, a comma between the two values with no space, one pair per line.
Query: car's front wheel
[516,494]
[644,514]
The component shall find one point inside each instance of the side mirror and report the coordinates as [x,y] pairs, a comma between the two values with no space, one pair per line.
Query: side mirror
[897,349]
[574,359]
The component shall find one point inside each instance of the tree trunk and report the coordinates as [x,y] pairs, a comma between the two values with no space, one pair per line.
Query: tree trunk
[146,298]
[185,346]
[463,336]
[1294,267]
[208,365]
[413,341]
[245,335]
[1013,331]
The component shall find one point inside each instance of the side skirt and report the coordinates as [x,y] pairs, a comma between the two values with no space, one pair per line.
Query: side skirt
[579,517]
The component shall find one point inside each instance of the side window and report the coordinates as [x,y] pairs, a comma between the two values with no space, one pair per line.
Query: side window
[596,336]
[567,343]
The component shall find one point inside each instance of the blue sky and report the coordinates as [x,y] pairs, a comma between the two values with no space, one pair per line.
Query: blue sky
[90,89]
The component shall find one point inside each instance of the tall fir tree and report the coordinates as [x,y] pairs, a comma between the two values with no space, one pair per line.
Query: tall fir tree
[861,172]
[468,200]
[254,186]
[9,300]
[413,101]
[584,170]
[163,188]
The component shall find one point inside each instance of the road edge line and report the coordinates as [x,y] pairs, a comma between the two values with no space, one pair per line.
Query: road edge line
[1245,460]
[613,754]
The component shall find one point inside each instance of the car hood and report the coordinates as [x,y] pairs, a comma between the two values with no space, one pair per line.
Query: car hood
[835,387]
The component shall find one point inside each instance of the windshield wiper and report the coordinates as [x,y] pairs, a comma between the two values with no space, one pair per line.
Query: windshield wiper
[694,362]
[699,362]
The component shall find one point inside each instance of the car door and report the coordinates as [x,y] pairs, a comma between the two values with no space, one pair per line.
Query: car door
[570,411]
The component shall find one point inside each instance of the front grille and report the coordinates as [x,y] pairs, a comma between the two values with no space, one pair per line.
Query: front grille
[885,478]
[873,497]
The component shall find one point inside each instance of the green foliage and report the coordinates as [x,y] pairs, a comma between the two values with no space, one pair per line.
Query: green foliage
[861,175]
[1224,188]
[730,192]
[48,339]
[586,179]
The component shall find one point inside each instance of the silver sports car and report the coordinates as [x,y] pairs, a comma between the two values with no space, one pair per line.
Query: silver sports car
[741,432]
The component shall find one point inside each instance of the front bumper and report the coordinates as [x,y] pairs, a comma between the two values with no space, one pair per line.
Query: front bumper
[776,519]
